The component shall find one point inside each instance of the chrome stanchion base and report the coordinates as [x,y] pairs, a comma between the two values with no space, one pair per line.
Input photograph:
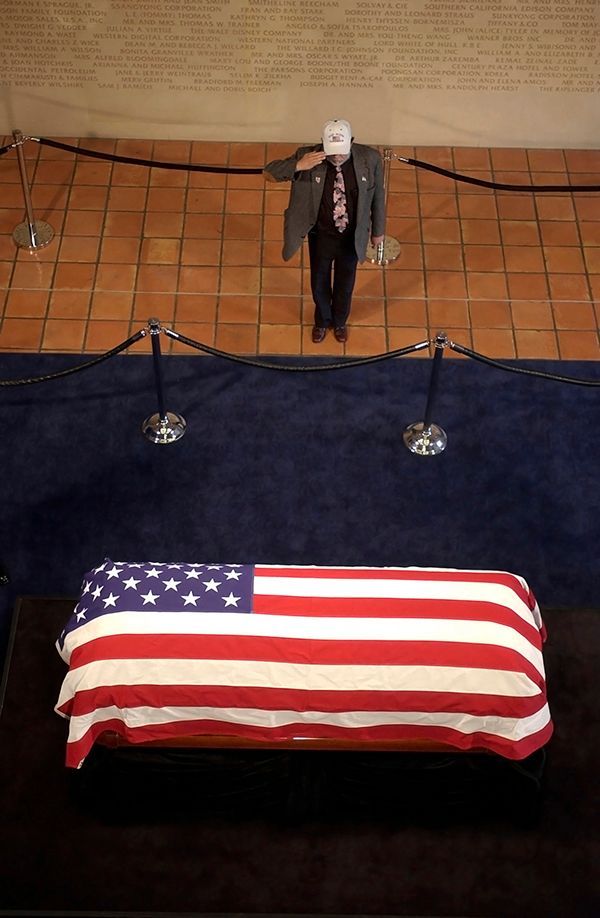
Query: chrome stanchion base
[26,239]
[425,441]
[382,254]
[164,430]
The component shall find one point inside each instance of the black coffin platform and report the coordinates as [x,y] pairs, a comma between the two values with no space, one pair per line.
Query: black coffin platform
[429,788]
[294,833]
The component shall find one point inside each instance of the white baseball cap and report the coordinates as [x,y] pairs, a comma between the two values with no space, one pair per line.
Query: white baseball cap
[337,137]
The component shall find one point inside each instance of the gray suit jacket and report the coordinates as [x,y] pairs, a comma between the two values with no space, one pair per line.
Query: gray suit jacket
[307,191]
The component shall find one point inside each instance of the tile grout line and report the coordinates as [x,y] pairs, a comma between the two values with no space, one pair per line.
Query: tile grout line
[582,248]
[545,260]
[428,326]
[98,253]
[260,249]
[181,240]
[136,273]
[464,272]
[387,192]
[100,246]
[223,215]
[51,280]
[499,221]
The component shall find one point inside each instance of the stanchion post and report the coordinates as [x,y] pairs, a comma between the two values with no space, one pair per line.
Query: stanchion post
[166,426]
[154,326]
[32,233]
[389,249]
[423,437]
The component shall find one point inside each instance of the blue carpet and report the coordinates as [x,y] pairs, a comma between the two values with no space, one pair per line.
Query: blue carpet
[300,467]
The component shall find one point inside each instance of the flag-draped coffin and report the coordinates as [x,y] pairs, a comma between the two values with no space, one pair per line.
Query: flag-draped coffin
[272,653]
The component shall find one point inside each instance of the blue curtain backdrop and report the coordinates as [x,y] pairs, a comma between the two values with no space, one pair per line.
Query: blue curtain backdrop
[299,467]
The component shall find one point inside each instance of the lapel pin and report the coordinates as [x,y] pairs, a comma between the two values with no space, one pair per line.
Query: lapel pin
[317,178]
[363,178]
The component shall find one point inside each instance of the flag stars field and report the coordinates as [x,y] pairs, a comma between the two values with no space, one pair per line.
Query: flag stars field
[165,591]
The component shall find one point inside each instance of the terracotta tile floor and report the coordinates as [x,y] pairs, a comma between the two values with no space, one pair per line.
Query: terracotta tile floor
[509,274]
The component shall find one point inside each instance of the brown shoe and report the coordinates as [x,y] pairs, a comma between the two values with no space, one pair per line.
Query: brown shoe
[341,333]
[318,334]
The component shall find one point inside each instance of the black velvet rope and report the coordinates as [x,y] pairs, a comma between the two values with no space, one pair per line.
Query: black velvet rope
[82,366]
[461,349]
[497,185]
[193,167]
[5,149]
[360,361]
[132,160]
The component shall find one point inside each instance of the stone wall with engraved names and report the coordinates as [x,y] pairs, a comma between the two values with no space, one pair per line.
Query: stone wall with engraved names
[442,72]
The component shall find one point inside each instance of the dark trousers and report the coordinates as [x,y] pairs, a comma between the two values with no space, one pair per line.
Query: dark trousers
[333,265]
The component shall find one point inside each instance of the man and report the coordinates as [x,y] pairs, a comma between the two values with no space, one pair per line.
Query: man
[337,200]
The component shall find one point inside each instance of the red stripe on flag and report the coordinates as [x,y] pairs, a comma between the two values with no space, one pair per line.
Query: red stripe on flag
[510,749]
[304,651]
[369,607]
[238,697]
[444,576]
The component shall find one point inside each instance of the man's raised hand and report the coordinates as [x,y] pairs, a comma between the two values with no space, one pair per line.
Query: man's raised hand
[310,160]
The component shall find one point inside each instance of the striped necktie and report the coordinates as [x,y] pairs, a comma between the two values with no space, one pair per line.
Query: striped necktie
[340,210]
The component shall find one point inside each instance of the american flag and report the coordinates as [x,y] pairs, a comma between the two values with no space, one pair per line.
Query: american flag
[272,653]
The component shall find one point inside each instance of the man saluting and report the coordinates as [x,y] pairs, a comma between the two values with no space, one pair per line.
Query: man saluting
[336,199]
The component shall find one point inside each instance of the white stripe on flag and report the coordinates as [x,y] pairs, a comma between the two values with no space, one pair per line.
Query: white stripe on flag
[456,680]
[306,628]
[376,588]
[509,728]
